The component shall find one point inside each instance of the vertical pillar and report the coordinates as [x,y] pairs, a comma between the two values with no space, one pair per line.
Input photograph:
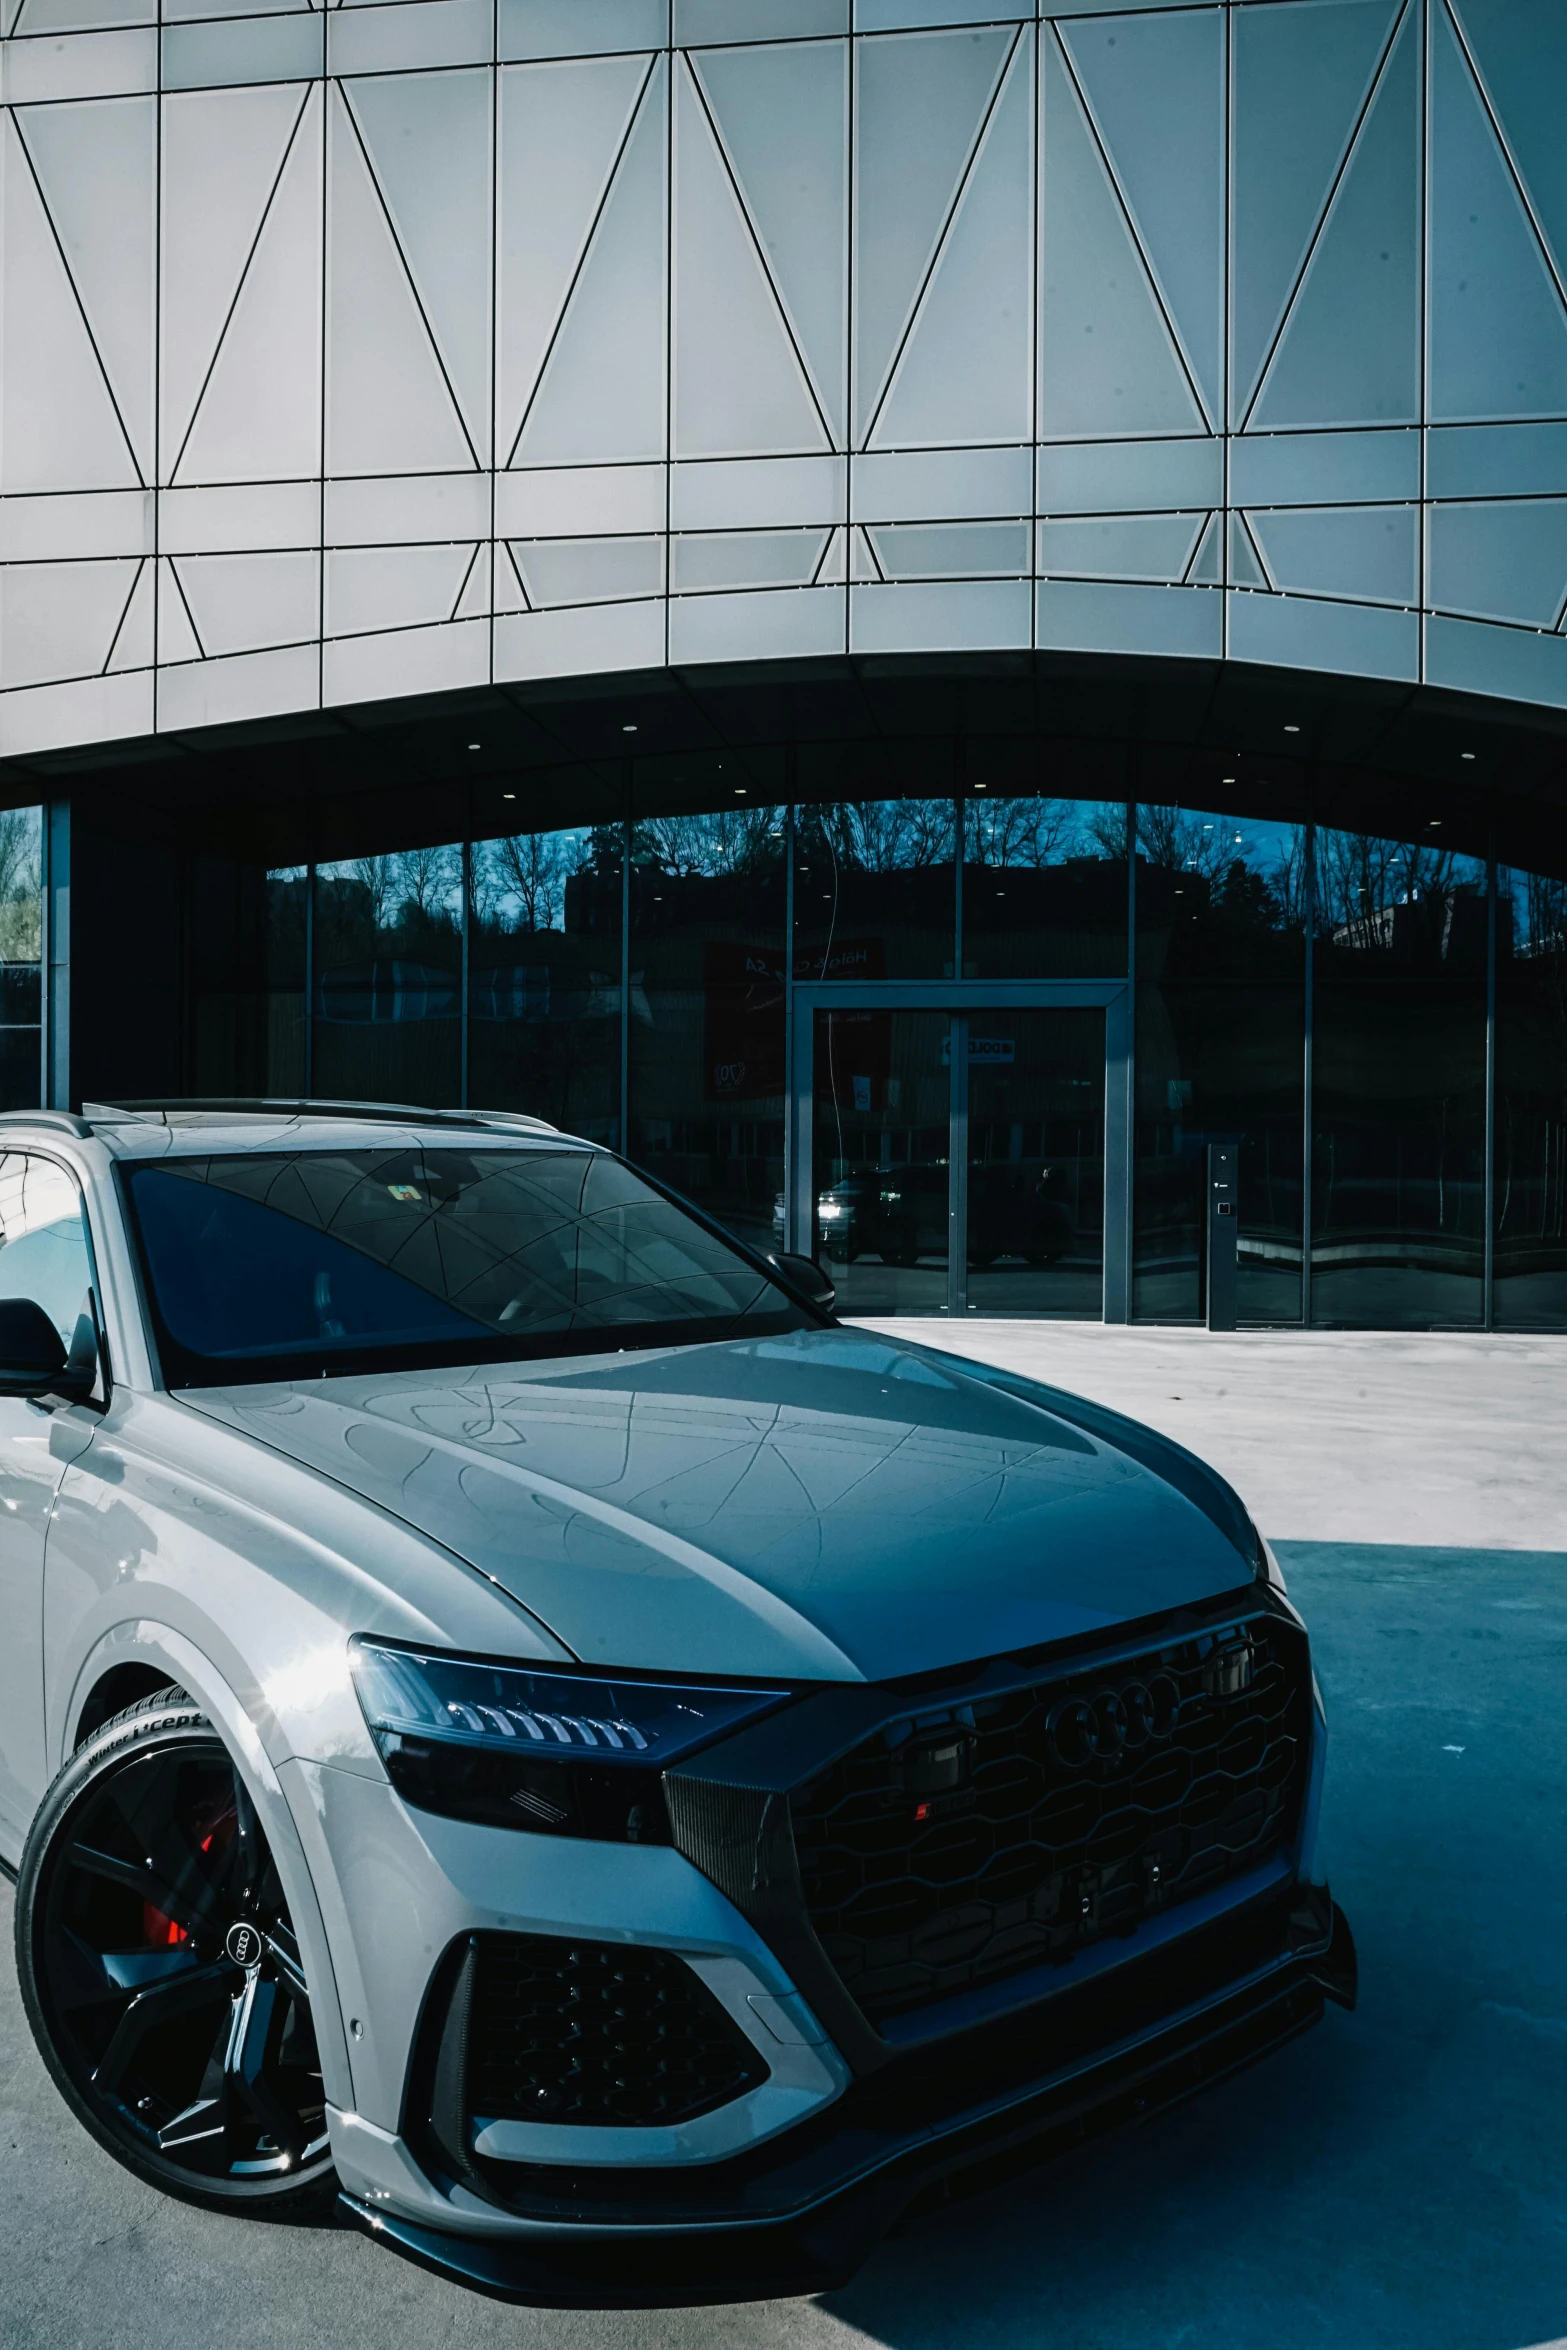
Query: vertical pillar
[1306,1077]
[1490,1093]
[1223,1233]
[55,1011]
[467,906]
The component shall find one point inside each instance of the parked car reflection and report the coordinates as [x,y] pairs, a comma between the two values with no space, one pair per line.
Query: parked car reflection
[902,1213]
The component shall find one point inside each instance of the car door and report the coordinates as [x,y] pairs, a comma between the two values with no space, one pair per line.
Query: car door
[44,1255]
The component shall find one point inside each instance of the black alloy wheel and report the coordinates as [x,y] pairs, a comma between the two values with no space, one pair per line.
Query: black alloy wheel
[160,1972]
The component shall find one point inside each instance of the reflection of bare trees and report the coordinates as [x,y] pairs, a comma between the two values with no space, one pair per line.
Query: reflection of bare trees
[21,885]
[1037,831]
[728,841]
[520,883]
[879,836]
[1263,881]
[1362,881]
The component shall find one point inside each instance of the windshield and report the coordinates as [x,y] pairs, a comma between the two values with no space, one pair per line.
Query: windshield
[286,1265]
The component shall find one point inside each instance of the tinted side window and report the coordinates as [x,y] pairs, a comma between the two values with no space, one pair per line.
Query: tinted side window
[43,1239]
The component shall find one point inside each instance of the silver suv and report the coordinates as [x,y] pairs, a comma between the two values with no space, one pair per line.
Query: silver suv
[512,1715]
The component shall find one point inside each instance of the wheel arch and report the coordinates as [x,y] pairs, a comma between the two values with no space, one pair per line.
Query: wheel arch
[142,1658]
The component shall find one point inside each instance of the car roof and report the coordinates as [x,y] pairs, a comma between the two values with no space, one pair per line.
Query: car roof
[144,1129]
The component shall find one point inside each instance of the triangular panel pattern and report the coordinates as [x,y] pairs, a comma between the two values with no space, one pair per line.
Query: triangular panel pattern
[259,418]
[97,166]
[739,389]
[177,639]
[57,620]
[1245,570]
[1498,332]
[1207,569]
[222,153]
[1153,547]
[601,395]
[510,594]
[1520,48]
[1350,350]
[1108,365]
[964,375]
[1301,78]
[1368,553]
[920,101]
[373,588]
[1502,561]
[862,561]
[561,129]
[389,408]
[833,567]
[1155,87]
[61,430]
[244,603]
[133,644]
[782,114]
[428,138]
[474,601]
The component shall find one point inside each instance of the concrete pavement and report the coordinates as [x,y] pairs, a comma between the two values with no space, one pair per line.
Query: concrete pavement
[1397,2178]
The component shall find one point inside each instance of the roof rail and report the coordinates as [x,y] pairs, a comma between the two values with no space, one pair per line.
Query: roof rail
[257,1106]
[58,1121]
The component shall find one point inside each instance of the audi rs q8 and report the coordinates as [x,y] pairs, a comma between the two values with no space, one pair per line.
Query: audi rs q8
[513,1716]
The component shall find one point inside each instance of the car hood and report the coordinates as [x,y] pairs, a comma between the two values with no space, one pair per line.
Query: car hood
[828,1504]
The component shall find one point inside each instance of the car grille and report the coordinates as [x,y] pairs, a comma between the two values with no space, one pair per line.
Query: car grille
[598,2033]
[961,1846]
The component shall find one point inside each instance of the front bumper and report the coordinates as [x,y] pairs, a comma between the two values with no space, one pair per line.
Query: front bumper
[799,2216]
[783,2187]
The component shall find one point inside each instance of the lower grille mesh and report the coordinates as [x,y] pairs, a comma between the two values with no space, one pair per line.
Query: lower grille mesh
[598,2033]
[960,1847]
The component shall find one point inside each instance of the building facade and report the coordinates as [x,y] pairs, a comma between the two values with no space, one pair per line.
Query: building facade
[914,614]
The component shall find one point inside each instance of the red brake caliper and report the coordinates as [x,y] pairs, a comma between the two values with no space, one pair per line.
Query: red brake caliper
[162,1933]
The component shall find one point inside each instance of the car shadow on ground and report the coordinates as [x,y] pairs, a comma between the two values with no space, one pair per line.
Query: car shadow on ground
[1397,2176]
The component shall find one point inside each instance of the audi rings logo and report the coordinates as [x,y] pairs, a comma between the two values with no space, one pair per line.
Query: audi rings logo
[1113,1724]
[243,1945]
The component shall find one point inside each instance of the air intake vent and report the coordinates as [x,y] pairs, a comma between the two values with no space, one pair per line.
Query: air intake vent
[598,2033]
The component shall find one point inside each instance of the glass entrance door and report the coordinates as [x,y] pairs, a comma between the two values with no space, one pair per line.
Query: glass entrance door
[882,1158]
[1035,1205]
[957,1160]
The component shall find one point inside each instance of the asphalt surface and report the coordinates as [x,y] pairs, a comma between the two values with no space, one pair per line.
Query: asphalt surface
[1398,2177]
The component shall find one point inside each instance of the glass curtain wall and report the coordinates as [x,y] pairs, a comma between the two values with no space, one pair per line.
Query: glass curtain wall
[650,1001]
[1220,1055]
[21,958]
[387,951]
[544,985]
[285,984]
[1530,1168]
[1399,1082]
[706,1032]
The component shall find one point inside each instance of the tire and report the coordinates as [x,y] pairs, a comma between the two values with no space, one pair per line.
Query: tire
[145,1887]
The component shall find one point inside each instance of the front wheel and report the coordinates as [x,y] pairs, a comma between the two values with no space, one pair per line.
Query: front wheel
[160,1972]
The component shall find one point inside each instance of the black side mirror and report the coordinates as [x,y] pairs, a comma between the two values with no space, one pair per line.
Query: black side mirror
[805,1275]
[33,1357]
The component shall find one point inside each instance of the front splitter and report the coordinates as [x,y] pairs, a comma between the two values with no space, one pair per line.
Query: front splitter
[732,2257]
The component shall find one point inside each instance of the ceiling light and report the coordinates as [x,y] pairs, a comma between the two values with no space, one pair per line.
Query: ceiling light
[1292,730]
[1227,779]
[981,787]
[1436,819]
[739,791]
[1466,754]
[476,746]
[628,730]
[508,795]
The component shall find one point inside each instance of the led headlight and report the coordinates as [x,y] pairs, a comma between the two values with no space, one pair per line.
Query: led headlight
[568,1754]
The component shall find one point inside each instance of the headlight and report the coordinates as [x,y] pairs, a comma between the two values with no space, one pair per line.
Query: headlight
[830,1210]
[567,1754]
